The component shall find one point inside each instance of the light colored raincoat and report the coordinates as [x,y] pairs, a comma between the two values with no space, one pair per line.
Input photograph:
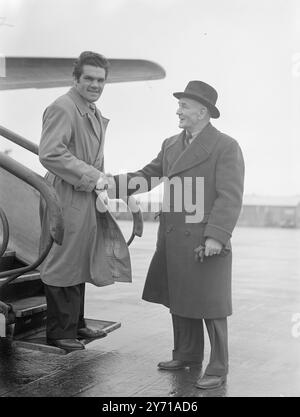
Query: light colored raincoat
[71,148]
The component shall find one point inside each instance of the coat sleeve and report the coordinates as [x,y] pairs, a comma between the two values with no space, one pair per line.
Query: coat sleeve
[55,155]
[140,181]
[229,186]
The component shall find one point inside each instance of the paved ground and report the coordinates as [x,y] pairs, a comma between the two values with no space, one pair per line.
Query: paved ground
[264,341]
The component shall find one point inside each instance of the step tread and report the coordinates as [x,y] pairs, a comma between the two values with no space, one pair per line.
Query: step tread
[29,306]
[37,341]
[9,253]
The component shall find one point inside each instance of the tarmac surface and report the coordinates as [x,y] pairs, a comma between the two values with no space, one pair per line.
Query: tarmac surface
[264,332]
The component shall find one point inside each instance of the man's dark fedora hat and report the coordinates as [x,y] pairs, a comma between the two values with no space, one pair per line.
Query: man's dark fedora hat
[202,92]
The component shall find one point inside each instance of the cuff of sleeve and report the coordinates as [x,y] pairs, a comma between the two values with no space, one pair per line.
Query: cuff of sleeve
[87,183]
[217,233]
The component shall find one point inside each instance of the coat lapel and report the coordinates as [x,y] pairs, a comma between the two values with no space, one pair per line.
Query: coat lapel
[102,122]
[194,154]
[174,150]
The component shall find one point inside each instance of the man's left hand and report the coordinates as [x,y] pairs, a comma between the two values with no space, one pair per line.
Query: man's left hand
[212,247]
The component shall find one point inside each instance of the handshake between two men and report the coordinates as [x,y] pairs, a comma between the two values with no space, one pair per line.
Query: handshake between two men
[104,183]
[107,182]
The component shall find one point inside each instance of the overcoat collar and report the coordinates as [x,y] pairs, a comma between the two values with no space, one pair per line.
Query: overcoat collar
[196,153]
[84,110]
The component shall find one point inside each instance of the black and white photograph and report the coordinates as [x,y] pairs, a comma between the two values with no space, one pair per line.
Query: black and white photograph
[149,201]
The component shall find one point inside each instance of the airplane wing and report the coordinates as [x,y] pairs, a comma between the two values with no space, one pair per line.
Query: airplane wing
[39,72]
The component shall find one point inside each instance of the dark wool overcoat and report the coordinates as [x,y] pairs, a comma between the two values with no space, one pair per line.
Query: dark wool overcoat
[189,288]
[71,148]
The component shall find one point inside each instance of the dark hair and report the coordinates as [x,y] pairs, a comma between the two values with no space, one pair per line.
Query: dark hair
[89,58]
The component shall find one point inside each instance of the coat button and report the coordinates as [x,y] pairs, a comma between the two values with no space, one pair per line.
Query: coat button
[187,233]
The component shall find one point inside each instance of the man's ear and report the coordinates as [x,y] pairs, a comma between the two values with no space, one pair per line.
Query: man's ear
[202,113]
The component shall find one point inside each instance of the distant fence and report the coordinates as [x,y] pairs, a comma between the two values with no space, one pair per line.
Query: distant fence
[251,216]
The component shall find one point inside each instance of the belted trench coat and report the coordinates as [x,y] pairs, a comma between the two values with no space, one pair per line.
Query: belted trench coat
[189,288]
[71,148]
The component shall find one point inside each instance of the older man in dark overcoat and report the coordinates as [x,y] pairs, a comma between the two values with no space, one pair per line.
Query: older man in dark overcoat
[191,268]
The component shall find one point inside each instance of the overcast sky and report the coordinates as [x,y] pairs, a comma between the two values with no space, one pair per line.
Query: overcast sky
[248,50]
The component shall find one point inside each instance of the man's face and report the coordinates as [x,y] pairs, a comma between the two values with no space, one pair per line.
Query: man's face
[190,112]
[91,82]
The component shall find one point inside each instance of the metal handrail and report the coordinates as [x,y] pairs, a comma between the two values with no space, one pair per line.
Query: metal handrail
[19,140]
[5,238]
[56,227]
[137,217]
[15,273]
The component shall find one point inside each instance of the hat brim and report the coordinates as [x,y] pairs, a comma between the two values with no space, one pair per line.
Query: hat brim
[214,112]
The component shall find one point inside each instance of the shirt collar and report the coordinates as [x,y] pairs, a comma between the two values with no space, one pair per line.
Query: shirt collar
[191,136]
[83,105]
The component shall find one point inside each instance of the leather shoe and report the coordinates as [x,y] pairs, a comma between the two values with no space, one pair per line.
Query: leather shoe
[174,365]
[210,381]
[66,344]
[87,333]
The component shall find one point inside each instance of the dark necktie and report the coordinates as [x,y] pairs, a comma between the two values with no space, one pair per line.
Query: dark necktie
[187,138]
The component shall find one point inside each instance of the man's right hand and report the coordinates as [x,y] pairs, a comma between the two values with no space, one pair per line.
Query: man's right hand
[102,183]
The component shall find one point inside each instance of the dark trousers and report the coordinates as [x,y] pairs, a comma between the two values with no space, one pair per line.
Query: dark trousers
[189,342]
[65,311]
